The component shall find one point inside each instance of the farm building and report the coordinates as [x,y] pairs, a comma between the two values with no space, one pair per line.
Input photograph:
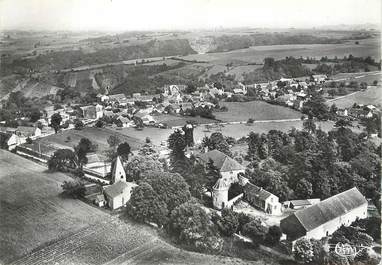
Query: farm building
[300,204]
[25,131]
[118,194]
[262,199]
[324,218]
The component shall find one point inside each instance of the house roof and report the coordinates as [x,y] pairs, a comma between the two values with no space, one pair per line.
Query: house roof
[256,191]
[221,161]
[220,185]
[323,212]
[118,188]
[300,202]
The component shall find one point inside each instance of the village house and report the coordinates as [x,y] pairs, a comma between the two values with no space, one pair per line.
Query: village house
[261,199]
[318,78]
[116,98]
[125,122]
[25,131]
[10,140]
[241,89]
[146,118]
[324,218]
[118,194]
[342,112]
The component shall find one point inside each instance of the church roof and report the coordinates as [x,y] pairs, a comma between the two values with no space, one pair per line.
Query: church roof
[221,161]
[308,219]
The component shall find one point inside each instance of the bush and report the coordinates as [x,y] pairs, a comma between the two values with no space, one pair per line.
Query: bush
[250,121]
[273,235]
[255,230]
[228,223]
[73,188]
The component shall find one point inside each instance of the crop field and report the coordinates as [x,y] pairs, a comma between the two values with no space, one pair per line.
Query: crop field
[372,95]
[257,110]
[367,47]
[32,210]
[97,136]
[367,77]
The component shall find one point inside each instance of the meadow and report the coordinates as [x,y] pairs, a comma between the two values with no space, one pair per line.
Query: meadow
[257,110]
[70,138]
[256,54]
[372,95]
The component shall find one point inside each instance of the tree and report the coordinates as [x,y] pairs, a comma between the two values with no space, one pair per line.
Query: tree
[191,224]
[212,175]
[124,150]
[145,205]
[189,134]
[35,115]
[84,146]
[73,188]
[332,92]
[342,123]
[78,124]
[273,236]
[99,124]
[303,251]
[61,160]
[138,166]
[228,223]
[171,188]
[255,230]
[309,125]
[243,219]
[303,189]
[177,144]
[55,121]
[113,141]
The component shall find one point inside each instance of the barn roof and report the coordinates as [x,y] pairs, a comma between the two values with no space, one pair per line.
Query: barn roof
[221,161]
[324,211]
[255,191]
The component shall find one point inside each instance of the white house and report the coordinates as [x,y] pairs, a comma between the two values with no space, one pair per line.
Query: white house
[262,199]
[118,194]
[324,218]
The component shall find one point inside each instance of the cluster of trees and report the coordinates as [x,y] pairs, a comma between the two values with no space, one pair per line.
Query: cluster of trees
[219,142]
[314,164]
[275,69]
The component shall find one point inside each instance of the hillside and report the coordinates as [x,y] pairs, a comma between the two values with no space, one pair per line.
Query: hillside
[69,59]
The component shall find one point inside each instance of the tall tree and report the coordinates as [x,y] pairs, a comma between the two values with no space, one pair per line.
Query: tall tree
[55,122]
[146,206]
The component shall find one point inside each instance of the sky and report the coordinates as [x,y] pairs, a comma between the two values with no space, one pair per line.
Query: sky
[122,15]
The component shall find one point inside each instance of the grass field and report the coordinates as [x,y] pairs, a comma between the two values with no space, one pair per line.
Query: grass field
[97,136]
[372,95]
[258,110]
[367,47]
[239,130]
